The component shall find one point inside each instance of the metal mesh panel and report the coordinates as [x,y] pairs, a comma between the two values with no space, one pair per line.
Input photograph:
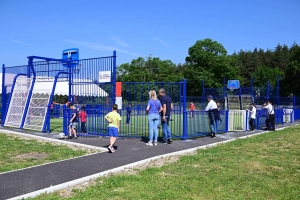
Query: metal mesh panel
[18,102]
[38,106]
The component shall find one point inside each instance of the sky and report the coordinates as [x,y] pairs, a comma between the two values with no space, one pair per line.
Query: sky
[137,28]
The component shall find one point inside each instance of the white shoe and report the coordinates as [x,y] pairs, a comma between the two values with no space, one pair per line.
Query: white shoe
[149,143]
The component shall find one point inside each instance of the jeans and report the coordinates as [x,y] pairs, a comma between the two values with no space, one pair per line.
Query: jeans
[252,125]
[153,120]
[270,122]
[212,123]
[83,127]
[166,129]
[127,118]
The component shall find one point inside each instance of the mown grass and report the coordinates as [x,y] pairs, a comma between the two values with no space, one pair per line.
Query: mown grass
[18,153]
[262,167]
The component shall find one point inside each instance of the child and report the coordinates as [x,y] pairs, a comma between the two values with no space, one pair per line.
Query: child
[83,116]
[192,109]
[114,126]
[253,117]
[128,114]
[219,108]
[73,121]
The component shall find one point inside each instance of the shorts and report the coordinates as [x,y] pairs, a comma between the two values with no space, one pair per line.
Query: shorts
[73,125]
[113,132]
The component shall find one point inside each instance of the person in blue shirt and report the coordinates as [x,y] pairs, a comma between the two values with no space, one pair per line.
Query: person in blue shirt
[128,114]
[153,109]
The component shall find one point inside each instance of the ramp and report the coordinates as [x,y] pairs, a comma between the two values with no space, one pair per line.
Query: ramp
[38,106]
[18,101]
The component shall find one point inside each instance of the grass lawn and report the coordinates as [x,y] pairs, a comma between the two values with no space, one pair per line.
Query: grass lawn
[18,153]
[262,167]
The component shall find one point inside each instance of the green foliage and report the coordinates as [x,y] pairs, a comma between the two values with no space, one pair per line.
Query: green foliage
[208,60]
[149,70]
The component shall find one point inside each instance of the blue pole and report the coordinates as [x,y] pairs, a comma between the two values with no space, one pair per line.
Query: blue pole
[226,120]
[65,120]
[203,94]
[184,136]
[181,96]
[3,94]
[247,128]
[114,77]
[70,98]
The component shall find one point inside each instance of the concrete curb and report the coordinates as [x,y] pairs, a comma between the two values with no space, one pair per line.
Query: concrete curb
[118,169]
[53,140]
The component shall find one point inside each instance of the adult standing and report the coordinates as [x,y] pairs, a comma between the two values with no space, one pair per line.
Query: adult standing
[153,109]
[270,121]
[128,113]
[213,114]
[252,117]
[166,103]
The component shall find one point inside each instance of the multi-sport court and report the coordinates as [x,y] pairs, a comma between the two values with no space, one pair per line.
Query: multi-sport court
[28,91]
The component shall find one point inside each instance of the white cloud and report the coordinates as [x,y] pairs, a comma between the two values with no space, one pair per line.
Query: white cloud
[119,42]
[100,47]
[23,43]
[161,41]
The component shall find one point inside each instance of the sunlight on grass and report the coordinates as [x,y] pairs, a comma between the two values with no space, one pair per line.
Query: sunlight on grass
[17,153]
[262,167]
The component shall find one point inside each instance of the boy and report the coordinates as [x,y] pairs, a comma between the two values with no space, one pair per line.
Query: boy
[83,116]
[128,114]
[73,121]
[114,126]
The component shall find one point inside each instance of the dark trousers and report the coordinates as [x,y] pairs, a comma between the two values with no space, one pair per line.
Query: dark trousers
[252,125]
[83,127]
[270,122]
[127,118]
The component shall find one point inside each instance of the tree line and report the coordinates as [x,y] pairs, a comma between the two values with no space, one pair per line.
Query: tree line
[209,60]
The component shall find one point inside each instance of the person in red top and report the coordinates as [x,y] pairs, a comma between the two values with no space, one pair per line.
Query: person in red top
[83,116]
[192,109]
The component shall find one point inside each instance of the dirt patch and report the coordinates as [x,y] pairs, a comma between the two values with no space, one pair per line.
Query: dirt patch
[33,155]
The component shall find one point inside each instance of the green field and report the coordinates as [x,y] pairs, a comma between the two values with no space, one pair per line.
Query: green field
[262,167]
[18,153]
[139,125]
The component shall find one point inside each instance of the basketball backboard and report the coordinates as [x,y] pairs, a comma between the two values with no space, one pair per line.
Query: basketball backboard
[73,54]
[233,84]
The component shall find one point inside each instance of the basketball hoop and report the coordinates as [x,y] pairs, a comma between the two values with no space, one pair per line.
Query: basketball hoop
[76,69]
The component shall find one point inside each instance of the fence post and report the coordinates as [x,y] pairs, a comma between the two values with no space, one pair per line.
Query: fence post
[3,94]
[114,77]
[65,120]
[181,96]
[184,135]
[203,94]
[247,123]
[257,120]
[226,120]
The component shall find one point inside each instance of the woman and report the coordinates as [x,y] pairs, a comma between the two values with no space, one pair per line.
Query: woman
[252,117]
[153,109]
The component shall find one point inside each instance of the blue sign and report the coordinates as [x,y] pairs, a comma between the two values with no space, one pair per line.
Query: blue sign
[233,84]
[71,54]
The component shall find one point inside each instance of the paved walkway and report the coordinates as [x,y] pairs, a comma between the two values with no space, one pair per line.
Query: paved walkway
[24,181]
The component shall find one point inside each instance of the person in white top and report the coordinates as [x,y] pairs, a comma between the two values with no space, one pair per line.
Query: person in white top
[270,121]
[252,117]
[213,114]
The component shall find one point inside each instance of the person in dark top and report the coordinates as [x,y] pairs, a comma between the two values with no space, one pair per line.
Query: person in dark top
[73,121]
[128,113]
[166,103]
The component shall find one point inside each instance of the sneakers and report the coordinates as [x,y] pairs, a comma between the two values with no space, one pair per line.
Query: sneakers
[155,143]
[149,144]
[111,149]
[170,141]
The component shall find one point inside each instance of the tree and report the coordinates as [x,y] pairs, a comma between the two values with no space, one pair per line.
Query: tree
[208,60]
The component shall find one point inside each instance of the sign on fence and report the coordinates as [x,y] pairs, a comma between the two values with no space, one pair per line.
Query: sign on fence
[104,76]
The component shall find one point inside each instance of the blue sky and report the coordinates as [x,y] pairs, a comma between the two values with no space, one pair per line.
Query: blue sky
[164,28]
